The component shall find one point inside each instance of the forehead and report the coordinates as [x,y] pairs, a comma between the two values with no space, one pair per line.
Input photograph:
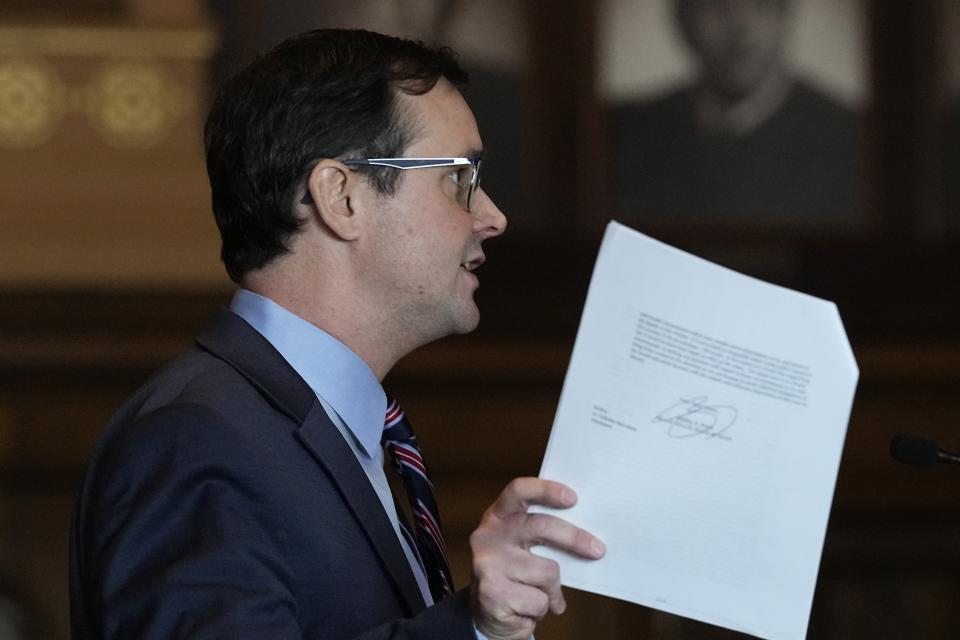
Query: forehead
[442,122]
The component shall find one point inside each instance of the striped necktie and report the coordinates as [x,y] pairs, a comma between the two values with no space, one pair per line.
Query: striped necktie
[400,441]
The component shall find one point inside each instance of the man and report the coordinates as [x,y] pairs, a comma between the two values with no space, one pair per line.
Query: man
[241,492]
[747,140]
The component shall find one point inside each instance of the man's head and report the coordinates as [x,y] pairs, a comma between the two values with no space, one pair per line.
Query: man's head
[738,43]
[380,257]
[323,94]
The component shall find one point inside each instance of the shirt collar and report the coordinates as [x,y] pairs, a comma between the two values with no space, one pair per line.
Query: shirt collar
[333,371]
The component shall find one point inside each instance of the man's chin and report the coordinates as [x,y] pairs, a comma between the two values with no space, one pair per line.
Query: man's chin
[468,325]
[467,320]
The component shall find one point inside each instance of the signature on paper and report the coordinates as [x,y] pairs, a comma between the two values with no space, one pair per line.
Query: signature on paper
[693,417]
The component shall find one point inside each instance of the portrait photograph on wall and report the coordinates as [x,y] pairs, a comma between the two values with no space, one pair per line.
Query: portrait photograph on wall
[742,113]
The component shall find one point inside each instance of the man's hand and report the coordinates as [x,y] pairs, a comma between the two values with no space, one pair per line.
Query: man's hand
[513,588]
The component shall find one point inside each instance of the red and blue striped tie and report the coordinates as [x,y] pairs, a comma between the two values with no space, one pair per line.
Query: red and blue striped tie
[399,439]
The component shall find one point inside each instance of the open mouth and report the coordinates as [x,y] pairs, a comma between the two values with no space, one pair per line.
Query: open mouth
[473,264]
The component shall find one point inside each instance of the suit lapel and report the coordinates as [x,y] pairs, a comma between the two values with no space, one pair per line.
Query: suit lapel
[326,444]
[230,338]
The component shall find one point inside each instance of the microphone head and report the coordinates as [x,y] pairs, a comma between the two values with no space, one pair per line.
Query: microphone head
[914,450]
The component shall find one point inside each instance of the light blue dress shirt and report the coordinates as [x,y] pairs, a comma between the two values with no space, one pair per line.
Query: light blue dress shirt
[348,391]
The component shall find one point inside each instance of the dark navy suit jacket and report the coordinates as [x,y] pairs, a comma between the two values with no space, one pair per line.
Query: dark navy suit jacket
[222,502]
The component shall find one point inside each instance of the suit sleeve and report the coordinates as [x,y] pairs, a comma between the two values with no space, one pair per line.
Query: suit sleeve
[181,541]
[448,619]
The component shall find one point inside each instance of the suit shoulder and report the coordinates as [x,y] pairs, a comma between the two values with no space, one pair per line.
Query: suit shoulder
[199,381]
[197,403]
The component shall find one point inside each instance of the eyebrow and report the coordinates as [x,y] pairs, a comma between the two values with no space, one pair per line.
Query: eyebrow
[472,153]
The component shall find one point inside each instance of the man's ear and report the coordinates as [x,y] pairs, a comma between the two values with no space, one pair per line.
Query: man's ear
[331,185]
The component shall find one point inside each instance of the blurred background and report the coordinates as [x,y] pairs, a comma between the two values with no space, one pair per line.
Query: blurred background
[812,143]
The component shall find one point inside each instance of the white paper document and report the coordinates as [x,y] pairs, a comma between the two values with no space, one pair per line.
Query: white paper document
[701,424]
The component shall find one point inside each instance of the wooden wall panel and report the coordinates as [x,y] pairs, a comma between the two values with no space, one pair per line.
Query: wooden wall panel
[103,183]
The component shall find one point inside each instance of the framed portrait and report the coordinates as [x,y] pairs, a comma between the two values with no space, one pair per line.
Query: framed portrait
[743,114]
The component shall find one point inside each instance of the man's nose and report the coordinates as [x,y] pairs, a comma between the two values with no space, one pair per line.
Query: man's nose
[488,220]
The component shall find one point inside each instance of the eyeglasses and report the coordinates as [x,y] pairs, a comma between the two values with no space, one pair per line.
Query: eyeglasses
[467,177]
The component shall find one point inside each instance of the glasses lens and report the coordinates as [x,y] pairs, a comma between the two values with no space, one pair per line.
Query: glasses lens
[474,182]
[464,181]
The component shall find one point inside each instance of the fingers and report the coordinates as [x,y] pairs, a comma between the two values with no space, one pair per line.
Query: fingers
[550,531]
[507,600]
[539,528]
[507,610]
[513,588]
[544,575]
[517,565]
[523,492]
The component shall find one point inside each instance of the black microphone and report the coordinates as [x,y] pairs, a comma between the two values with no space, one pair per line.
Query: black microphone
[918,451]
